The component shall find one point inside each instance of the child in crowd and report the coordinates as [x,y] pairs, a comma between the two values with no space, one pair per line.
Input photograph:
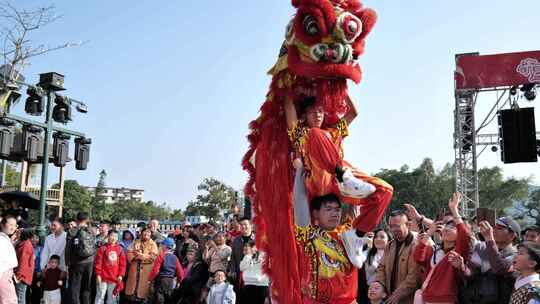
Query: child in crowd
[110,266]
[376,293]
[35,291]
[166,268]
[255,281]
[527,286]
[221,292]
[52,280]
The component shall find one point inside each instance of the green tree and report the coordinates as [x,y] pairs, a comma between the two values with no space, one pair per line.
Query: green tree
[177,215]
[529,209]
[497,193]
[13,177]
[424,187]
[216,196]
[429,189]
[76,198]
[100,209]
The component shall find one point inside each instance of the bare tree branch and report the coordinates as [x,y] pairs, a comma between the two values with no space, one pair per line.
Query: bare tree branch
[17,25]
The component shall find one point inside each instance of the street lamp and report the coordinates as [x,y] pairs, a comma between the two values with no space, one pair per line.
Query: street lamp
[44,98]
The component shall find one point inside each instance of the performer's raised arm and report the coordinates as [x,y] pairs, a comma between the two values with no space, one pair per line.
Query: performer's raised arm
[301,206]
[290,113]
[352,113]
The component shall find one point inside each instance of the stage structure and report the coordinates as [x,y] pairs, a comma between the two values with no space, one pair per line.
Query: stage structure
[512,76]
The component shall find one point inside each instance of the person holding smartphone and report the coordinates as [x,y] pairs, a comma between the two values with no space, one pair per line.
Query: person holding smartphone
[440,284]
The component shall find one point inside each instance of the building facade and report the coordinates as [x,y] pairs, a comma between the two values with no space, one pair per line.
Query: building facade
[115,195]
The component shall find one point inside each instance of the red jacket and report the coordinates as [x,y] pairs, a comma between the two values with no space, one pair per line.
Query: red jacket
[110,262]
[159,262]
[25,256]
[442,287]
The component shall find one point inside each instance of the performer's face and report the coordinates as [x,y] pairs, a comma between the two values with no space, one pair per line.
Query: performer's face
[315,116]
[329,216]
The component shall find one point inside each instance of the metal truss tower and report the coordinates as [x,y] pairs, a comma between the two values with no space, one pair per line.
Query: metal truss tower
[475,74]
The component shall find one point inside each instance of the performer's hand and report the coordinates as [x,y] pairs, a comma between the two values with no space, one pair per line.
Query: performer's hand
[297,163]
[412,212]
[98,279]
[486,230]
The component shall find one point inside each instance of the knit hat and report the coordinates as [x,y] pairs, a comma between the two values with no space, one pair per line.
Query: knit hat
[168,242]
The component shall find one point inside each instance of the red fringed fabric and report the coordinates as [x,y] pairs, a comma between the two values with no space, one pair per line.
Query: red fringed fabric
[270,189]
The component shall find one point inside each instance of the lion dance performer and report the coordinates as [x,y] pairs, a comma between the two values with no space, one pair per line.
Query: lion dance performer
[305,118]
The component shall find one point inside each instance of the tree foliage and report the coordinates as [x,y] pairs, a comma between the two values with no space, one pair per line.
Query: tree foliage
[429,189]
[76,198]
[529,209]
[100,209]
[216,196]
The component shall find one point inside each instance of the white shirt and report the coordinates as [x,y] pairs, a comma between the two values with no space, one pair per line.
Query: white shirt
[252,271]
[371,269]
[221,294]
[54,245]
[8,257]
[522,281]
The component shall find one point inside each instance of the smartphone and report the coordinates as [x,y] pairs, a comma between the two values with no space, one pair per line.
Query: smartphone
[485,214]
[422,227]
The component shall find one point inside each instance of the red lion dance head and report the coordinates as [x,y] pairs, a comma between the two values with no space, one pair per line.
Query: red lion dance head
[322,43]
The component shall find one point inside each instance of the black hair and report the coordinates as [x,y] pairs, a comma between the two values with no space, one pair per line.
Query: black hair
[111,232]
[534,256]
[319,201]
[305,103]
[250,243]
[26,234]
[82,216]
[244,218]
[57,219]
[399,212]
[373,250]
[220,270]
[6,217]
[55,257]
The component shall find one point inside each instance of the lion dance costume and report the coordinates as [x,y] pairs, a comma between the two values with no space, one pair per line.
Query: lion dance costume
[318,56]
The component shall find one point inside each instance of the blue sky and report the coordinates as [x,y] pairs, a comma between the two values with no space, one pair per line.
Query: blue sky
[172,85]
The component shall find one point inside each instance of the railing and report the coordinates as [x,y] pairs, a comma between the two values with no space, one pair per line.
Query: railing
[53,195]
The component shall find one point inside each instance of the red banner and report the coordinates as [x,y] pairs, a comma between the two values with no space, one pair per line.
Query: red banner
[488,71]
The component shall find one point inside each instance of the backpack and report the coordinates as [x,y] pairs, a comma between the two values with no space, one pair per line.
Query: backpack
[84,244]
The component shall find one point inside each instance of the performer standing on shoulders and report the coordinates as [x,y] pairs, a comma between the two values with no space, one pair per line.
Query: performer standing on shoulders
[320,149]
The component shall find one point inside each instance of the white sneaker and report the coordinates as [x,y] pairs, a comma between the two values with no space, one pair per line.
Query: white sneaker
[353,246]
[354,187]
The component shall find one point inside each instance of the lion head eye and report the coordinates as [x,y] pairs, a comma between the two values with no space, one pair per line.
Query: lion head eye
[311,27]
[349,27]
